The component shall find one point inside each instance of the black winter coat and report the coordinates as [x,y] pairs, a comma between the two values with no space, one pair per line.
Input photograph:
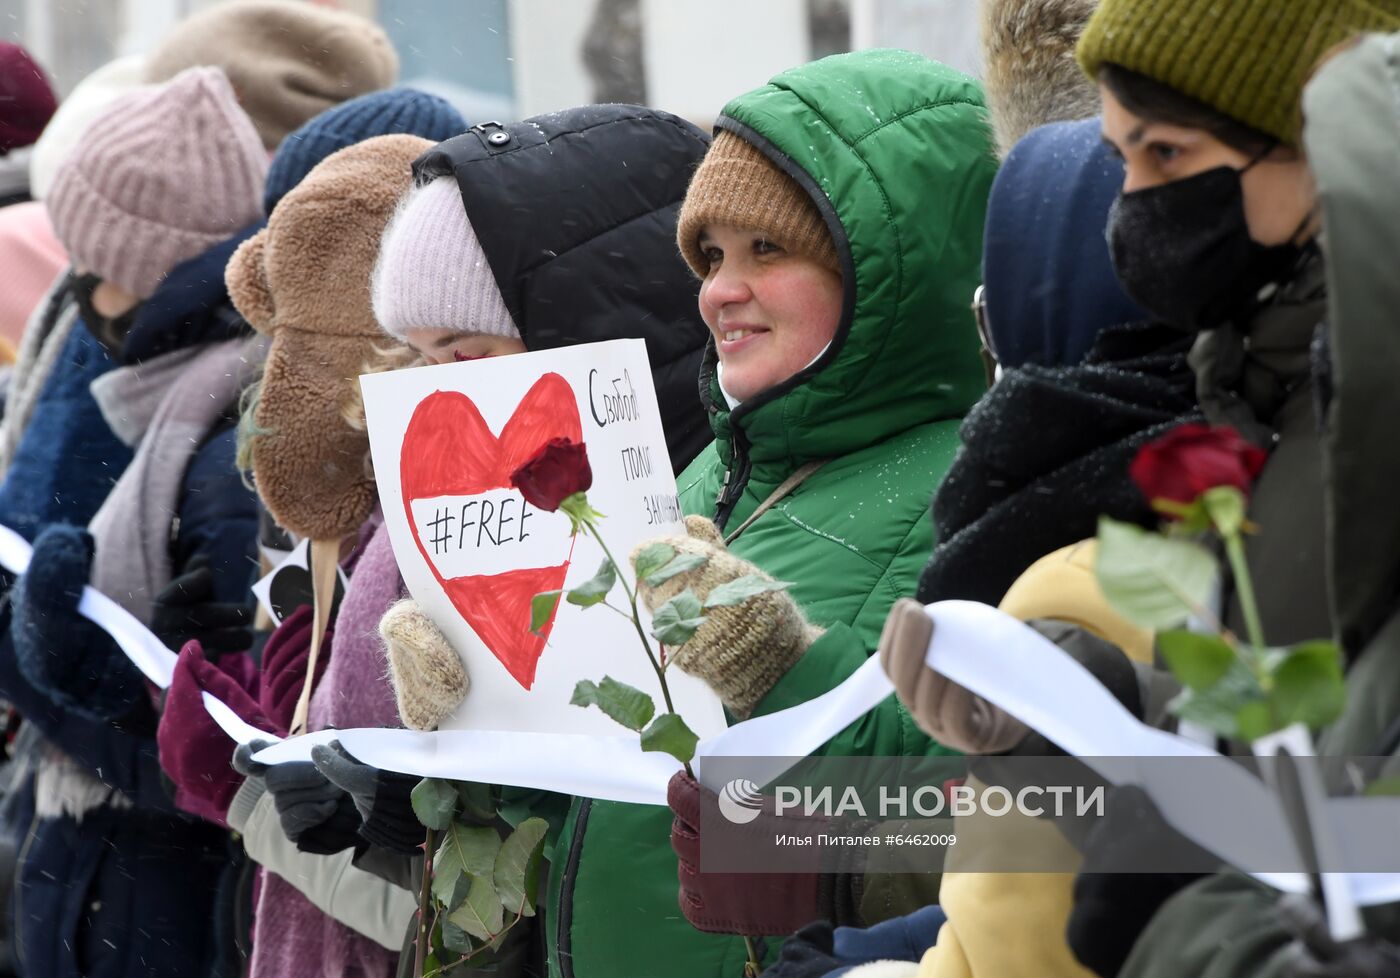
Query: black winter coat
[1046,452]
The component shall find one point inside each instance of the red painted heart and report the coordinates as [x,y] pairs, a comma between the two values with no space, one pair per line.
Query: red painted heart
[449,450]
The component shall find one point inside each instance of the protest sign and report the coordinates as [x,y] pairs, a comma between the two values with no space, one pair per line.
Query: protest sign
[445,442]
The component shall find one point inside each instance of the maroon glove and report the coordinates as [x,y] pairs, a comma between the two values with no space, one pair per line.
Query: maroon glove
[753,904]
[284,666]
[194,750]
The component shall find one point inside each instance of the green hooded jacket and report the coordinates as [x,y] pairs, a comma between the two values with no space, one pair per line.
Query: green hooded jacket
[896,152]
[1228,925]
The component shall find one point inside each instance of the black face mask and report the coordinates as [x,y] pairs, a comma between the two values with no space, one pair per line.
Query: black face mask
[111,331]
[1183,250]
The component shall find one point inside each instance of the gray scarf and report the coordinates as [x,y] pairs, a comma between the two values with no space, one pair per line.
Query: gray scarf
[132,529]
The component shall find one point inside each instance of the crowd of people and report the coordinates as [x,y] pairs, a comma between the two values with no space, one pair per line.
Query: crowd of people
[908,332]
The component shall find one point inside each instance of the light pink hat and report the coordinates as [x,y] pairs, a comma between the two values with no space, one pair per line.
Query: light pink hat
[432,272]
[162,175]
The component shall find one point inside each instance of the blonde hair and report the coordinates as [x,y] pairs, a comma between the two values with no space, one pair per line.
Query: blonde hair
[395,356]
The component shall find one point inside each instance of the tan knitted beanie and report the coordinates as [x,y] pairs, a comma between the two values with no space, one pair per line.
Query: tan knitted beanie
[287,61]
[737,185]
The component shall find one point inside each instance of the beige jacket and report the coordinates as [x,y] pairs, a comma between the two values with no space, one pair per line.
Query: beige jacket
[356,898]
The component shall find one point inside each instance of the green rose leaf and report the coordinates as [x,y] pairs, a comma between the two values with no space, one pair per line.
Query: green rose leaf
[652,558]
[677,621]
[481,915]
[542,608]
[1254,720]
[460,889]
[434,802]
[517,871]
[595,589]
[1155,581]
[669,734]
[478,802]
[1199,661]
[431,964]
[678,564]
[1226,507]
[456,939]
[627,705]
[741,589]
[465,849]
[1308,687]
[1217,708]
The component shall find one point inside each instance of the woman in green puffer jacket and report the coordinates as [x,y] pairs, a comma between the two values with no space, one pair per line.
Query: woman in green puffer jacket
[837,225]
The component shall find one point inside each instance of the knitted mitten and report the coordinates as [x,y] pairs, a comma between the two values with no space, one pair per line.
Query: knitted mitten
[742,650]
[429,679]
[68,658]
[964,721]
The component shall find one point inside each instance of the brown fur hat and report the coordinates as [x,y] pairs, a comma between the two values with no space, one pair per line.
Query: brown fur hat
[1032,77]
[304,280]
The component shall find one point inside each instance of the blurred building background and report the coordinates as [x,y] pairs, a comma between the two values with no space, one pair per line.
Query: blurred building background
[501,59]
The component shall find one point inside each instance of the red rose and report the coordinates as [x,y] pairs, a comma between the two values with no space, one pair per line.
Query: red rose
[557,471]
[1186,461]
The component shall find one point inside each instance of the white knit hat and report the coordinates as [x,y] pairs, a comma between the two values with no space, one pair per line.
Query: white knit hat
[432,272]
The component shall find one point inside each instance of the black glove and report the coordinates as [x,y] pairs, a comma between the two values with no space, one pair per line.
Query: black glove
[185,609]
[315,814]
[382,798]
[1112,905]
[1315,954]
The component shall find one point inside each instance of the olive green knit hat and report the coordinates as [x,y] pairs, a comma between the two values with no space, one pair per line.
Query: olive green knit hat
[1246,58]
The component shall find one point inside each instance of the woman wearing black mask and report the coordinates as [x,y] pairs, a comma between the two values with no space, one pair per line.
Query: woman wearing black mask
[1215,232]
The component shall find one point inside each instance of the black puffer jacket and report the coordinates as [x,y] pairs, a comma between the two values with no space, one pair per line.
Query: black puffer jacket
[576,212]
[1046,452]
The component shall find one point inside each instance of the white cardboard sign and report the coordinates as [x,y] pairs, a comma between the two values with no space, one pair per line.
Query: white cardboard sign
[445,441]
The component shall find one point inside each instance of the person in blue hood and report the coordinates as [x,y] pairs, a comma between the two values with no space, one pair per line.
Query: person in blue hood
[1049,287]
[1085,378]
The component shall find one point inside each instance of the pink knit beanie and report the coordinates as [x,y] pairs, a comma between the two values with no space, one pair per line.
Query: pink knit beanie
[162,175]
[432,272]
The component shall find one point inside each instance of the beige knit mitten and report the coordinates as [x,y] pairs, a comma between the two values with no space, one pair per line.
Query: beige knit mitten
[947,712]
[429,679]
[741,650]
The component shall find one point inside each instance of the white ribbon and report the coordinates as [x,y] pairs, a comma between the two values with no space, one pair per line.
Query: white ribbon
[976,646]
